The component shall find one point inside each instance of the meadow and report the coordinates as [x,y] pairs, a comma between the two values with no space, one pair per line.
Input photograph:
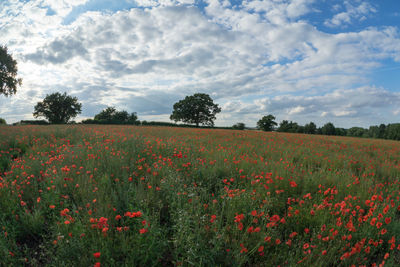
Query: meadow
[82,195]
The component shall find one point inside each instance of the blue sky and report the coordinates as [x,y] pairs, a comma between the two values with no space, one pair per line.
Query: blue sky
[301,60]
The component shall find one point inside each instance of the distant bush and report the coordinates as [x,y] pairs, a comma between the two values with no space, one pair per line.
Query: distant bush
[2,121]
[161,123]
[110,115]
[89,121]
[239,126]
[33,122]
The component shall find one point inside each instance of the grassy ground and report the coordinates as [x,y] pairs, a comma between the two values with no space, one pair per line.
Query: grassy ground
[159,196]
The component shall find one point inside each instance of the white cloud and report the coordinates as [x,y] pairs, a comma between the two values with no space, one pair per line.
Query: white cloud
[296,110]
[154,3]
[342,107]
[357,12]
[144,60]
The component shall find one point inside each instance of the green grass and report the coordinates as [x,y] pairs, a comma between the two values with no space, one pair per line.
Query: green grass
[205,198]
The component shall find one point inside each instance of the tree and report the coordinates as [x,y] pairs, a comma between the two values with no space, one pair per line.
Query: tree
[239,126]
[392,131]
[356,132]
[289,127]
[8,73]
[197,109]
[328,129]
[133,119]
[340,131]
[267,123]
[310,128]
[382,131]
[106,115]
[2,121]
[58,108]
[110,115]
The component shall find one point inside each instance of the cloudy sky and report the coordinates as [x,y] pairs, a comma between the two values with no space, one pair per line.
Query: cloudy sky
[301,60]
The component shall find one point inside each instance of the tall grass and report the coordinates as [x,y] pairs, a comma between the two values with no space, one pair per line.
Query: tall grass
[159,196]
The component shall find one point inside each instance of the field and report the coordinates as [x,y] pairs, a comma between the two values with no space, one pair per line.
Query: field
[159,196]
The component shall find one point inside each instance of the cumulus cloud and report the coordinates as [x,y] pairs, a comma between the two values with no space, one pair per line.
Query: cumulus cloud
[252,57]
[342,106]
[358,11]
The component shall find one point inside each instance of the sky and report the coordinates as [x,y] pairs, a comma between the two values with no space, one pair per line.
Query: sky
[300,60]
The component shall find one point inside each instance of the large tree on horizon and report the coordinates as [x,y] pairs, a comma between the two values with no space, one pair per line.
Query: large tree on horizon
[8,73]
[196,109]
[58,108]
[267,123]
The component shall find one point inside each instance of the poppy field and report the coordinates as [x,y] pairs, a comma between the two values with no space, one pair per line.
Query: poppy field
[158,196]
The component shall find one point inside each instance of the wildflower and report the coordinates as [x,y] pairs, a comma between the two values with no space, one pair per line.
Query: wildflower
[97,255]
[239,217]
[293,234]
[213,218]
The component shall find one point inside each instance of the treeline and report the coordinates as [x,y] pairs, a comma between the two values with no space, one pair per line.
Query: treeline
[112,116]
[389,131]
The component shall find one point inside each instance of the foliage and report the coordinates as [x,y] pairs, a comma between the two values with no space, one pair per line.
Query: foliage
[239,126]
[111,115]
[267,123]
[58,108]
[310,128]
[357,132]
[328,129]
[196,109]
[8,73]
[340,131]
[289,127]
[2,121]
[32,122]
[392,131]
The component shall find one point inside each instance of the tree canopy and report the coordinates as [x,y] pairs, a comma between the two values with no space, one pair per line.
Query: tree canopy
[58,108]
[111,115]
[310,128]
[328,129]
[2,121]
[239,126]
[8,73]
[267,123]
[289,127]
[196,109]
